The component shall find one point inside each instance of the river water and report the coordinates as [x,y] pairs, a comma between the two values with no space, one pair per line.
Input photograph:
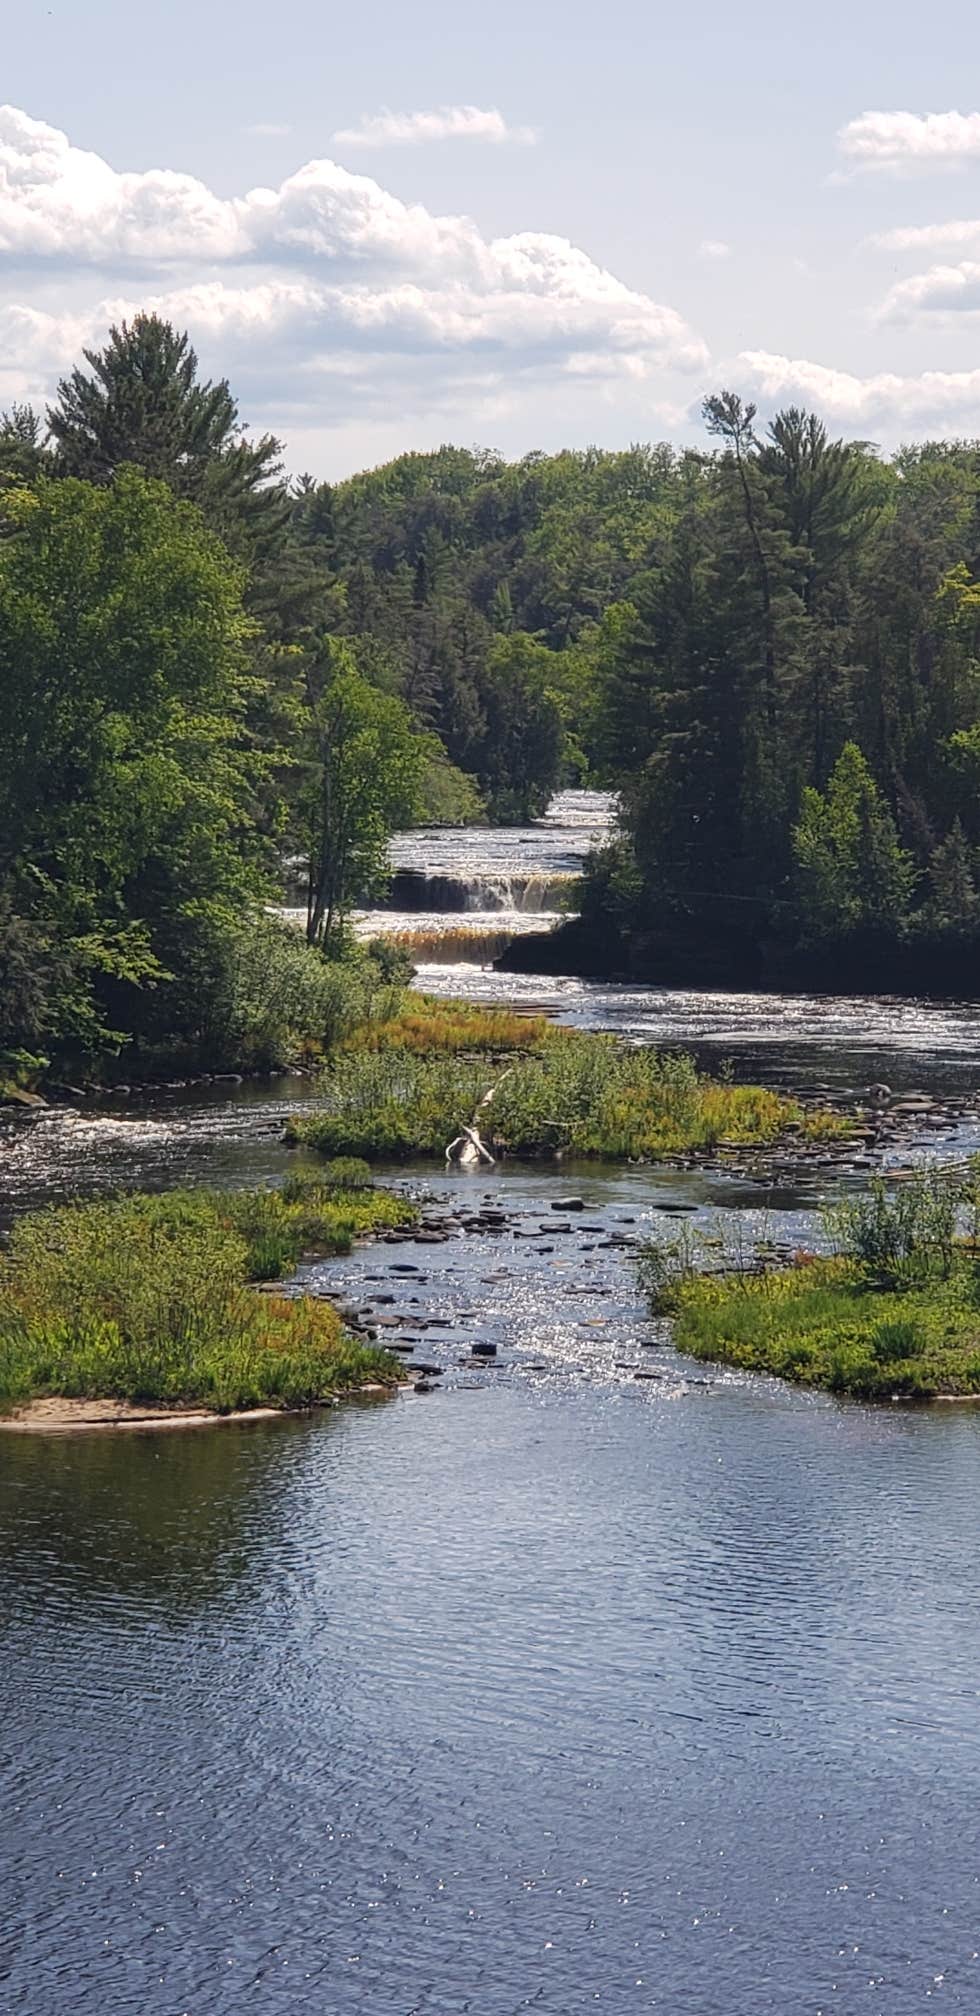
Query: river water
[557,1689]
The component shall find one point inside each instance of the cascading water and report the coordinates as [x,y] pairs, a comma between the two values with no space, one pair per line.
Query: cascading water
[460,896]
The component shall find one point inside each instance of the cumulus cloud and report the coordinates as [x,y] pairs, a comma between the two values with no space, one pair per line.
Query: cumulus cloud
[714,248]
[943,290]
[957,233]
[892,141]
[884,399]
[447,122]
[327,279]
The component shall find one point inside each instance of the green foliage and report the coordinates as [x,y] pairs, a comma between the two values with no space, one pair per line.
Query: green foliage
[258,996]
[128,783]
[789,704]
[824,1323]
[362,767]
[580,1095]
[902,1236]
[519,755]
[446,796]
[854,876]
[894,1311]
[147,1299]
[142,402]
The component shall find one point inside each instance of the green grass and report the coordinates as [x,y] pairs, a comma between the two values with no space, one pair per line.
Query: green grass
[896,1310]
[437,1028]
[571,1094]
[150,1299]
[823,1325]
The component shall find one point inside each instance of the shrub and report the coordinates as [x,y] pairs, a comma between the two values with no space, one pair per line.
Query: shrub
[904,1235]
[407,1090]
[148,1299]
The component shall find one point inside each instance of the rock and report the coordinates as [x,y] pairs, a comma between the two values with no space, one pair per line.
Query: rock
[427,1371]
[569,1204]
[424,1386]
[481,1350]
[879,1094]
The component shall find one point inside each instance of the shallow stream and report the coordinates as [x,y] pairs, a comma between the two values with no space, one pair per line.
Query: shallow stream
[557,1688]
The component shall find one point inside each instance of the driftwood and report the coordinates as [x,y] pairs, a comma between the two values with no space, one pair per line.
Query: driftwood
[468,1151]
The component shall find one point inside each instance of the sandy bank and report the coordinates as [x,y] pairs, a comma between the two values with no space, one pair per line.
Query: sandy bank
[56,1416]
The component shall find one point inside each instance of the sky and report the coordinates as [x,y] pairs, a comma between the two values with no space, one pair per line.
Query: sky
[522,226]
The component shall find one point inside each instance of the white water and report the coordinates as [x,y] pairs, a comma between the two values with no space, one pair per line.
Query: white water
[790,1039]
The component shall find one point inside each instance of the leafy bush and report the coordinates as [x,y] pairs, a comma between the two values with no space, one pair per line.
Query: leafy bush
[254,995]
[901,1236]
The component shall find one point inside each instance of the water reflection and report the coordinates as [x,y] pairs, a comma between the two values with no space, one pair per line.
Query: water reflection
[499,1702]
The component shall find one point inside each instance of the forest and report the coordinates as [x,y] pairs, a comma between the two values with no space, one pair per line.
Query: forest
[216,675]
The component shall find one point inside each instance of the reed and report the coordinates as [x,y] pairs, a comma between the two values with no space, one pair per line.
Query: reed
[408,1094]
[150,1299]
[449,1028]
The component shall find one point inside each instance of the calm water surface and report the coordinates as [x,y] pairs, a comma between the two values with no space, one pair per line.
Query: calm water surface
[556,1690]
[492,1702]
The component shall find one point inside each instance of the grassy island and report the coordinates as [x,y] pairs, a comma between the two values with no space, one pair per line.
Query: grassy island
[404,1087]
[895,1311]
[153,1299]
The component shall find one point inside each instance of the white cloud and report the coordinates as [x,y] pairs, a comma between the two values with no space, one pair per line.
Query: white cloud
[714,248]
[326,286]
[447,122]
[928,399]
[892,141]
[959,232]
[943,290]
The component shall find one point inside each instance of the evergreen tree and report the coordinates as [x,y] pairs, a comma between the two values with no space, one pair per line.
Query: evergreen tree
[143,401]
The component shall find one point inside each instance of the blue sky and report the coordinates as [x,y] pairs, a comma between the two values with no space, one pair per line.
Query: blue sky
[520,226]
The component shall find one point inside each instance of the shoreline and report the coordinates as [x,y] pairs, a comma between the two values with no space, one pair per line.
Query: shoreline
[55,1415]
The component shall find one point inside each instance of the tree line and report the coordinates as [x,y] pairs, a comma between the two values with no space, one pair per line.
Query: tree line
[789,700]
[214,676]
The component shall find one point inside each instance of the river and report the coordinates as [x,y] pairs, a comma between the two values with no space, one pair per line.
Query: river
[561,1688]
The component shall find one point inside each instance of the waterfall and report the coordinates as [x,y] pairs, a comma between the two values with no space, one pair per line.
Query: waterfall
[415,891]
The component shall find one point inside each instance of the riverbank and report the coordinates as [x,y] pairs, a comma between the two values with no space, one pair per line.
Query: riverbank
[172,1302]
[53,1416]
[893,1313]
